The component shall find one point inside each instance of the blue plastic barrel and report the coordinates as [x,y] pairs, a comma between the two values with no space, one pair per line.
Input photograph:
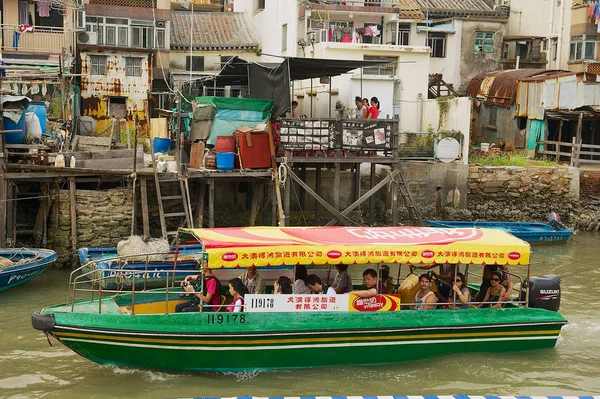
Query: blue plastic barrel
[18,137]
[39,108]
[225,160]
[161,144]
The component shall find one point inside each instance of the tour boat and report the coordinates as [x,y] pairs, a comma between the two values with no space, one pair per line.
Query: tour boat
[142,330]
[532,232]
[142,271]
[18,266]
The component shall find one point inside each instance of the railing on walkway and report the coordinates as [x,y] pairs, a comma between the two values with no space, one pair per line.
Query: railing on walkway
[42,40]
[575,154]
[359,3]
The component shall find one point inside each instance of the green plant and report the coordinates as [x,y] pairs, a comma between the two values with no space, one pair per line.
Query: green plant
[509,160]
[444,106]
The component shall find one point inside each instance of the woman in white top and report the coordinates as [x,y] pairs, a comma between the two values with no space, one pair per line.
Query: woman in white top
[360,112]
[301,280]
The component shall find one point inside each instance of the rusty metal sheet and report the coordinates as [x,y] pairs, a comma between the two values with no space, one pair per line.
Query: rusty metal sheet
[504,87]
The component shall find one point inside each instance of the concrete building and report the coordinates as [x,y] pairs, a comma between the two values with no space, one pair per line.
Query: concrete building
[39,34]
[584,45]
[538,33]
[353,30]
[465,38]
[217,36]
[117,51]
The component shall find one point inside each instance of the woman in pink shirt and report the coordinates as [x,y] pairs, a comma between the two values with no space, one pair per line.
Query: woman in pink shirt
[237,289]
[373,111]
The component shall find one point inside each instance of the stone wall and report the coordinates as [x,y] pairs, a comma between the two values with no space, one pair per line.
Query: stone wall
[103,219]
[521,194]
[590,183]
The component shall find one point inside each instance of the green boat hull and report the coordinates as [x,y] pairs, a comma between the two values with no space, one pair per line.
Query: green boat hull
[253,341]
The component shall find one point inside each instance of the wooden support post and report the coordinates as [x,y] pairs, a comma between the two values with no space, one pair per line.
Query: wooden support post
[46,200]
[266,198]
[2,182]
[372,200]
[318,191]
[211,202]
[134,193]
[73,207]
[287,193]
[343,218]
[275,175]
[144,197]
[254,206]
[366,196]
[274,206]
[199,217]
[11,215]
[394,197]
[356,181]
[560,129]
[303,192]
[336,187]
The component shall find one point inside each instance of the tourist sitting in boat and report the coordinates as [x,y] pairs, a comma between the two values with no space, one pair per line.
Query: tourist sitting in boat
[315,285]
[210,295]
[425,299]
[255,282]
[386,283]
[444,281]
[342,283]
[493,295]
[460,296]
[237,289]
[371,281]
[301,279]
[485,281]
[283,285]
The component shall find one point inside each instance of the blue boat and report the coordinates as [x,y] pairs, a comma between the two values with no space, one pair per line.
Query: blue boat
[125,273]
[18,266]
[532,232]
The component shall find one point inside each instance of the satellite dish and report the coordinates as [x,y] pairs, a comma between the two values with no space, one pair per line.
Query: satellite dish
[447,150]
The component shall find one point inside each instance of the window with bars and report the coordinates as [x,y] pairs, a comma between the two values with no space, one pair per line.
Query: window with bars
[133,66]
[436,41]
[196,63]
[98,64]
[484,42]
[575,47]
[387,68]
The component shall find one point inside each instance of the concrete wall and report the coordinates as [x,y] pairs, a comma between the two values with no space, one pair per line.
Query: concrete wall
[450,65]
[473,63]
[530,17]
[212,59]
[96,90]
[103,219]
[269,22]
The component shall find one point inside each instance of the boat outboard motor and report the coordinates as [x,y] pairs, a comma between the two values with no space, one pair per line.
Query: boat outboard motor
[544,292]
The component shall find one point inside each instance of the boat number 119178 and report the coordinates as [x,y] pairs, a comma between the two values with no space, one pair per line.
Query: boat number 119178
[225,319]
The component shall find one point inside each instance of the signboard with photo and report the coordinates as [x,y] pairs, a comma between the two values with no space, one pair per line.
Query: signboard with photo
[366,134]
[302,134]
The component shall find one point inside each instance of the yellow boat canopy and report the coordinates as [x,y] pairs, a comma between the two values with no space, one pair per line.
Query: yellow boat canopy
[277,246]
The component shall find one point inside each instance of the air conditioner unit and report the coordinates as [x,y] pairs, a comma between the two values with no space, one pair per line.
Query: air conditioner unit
[160,24]
[87,38]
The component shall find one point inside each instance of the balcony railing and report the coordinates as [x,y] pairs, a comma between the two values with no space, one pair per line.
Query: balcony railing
[367,5]
[42,40]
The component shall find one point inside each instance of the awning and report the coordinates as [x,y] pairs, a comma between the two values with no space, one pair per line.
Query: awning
[275,246]
[444,28]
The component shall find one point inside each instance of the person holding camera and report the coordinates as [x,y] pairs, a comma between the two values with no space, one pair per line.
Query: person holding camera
[210,297]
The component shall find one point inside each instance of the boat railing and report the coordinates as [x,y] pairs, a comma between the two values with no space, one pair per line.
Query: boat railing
[86,277]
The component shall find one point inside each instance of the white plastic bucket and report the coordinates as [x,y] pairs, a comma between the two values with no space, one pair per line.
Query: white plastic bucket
[485,147]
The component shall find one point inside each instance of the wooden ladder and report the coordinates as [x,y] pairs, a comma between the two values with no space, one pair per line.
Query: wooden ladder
[413,212]
[183,195]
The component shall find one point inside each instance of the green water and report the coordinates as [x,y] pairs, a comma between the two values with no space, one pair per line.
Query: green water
[30,368]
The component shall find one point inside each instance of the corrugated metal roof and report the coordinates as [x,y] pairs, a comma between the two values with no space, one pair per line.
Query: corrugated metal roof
[213,30]
[445,8]
[408,9]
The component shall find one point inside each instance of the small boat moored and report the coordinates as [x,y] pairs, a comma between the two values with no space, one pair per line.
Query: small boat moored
[18,266]
[293,330]
[532,232]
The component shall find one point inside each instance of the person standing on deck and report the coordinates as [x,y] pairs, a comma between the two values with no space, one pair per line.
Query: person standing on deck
[370,279]
[254,281]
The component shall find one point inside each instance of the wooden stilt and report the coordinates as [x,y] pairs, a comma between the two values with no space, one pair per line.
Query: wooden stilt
[211,203]
[144,198]
[2,202]
[394,198]
[38,227]
[11,215]
[46,200]
[336,187]
[356,181]
[287,193]
[317,190]
[73,206]
[372,200]
[254,206]
[273,204]
[199,217]
[302,193]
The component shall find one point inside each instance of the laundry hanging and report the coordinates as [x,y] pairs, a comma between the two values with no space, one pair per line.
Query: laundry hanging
[44,8]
